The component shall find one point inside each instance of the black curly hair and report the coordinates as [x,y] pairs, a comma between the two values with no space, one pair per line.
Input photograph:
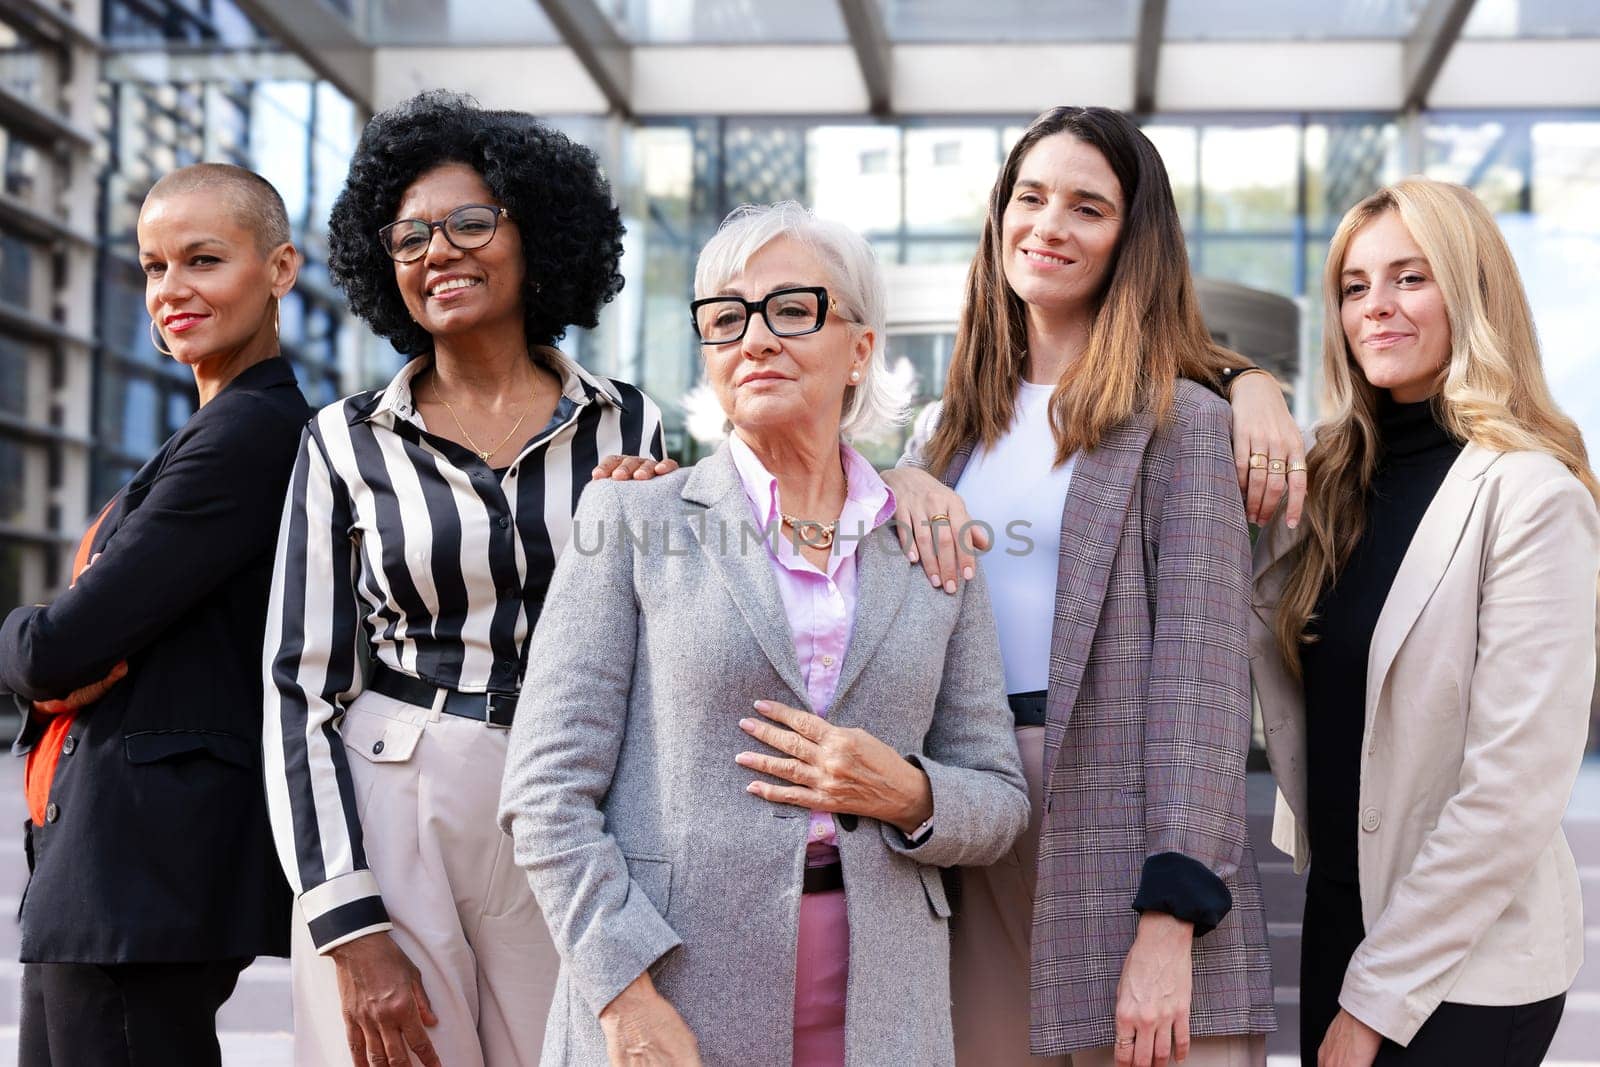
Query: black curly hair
[553,189]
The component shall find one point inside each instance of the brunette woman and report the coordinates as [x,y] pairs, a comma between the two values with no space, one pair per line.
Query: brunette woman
[1128,924]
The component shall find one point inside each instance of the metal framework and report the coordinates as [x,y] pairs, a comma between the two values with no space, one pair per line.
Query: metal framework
[1429,45]
[869,37]
[327,42]
[1147,54]
[598,46]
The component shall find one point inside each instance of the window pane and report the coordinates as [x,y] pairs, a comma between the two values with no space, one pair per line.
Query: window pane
[1248,175]
[280,142]
[1562,19]
[853,176]
[1177,147]
[1261,264]
[763,162]
[1288,20]
[1488,157]
[458,22]
[25,71]
[24,380]
[1010,20]
[1566,175]
[954,250]
[19,268]
[23,480]
[728,21]
[949,173]
[1346,161]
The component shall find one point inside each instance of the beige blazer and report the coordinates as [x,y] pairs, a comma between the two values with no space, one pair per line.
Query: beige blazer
[1479,679]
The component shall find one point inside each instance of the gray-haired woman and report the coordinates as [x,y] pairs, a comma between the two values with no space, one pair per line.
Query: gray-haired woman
[728,885]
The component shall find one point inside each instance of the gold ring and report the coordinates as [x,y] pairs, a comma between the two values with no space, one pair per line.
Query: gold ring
[1276,466]
[941,517]
[1258,460]
[1124,1042]
[1299,465]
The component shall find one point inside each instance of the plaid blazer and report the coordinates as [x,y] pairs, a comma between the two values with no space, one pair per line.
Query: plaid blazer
[1148,723]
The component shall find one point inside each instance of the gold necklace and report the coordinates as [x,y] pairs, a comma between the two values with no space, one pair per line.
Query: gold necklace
[811,533]
[482,453]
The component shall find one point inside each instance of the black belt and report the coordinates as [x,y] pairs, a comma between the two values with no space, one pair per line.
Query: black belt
[824,879]
[494,709]
[1028,708]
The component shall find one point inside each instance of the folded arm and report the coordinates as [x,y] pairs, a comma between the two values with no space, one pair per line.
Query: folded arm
[209,512]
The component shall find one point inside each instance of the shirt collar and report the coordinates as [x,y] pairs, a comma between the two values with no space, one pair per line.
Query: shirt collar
[396,402]
[869,502]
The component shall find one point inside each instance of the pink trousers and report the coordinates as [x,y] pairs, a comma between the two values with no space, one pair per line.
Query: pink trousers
[822,964]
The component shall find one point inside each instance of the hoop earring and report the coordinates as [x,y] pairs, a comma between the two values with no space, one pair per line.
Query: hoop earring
[155,339]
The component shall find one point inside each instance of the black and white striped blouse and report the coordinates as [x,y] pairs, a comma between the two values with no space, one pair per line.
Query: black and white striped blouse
[403,546]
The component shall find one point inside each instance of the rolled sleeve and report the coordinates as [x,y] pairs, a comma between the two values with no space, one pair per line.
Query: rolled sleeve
[343,909]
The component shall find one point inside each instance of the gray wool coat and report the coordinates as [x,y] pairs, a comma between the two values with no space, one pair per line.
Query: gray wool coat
[662,624]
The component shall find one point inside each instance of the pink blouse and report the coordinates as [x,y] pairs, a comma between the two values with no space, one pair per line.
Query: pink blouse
[821,607]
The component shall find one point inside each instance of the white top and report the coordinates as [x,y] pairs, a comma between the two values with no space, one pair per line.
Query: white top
[1015,489]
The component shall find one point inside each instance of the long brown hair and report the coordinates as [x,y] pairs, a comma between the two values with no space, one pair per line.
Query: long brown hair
[1147,331]
[1492,389]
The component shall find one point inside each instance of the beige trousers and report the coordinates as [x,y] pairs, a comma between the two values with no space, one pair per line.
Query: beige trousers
[989,958]
[462,909]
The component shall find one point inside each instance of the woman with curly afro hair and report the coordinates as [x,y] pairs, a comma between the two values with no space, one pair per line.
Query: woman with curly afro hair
[421,529]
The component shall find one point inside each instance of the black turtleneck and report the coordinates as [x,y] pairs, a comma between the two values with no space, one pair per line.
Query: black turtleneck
[1415,455]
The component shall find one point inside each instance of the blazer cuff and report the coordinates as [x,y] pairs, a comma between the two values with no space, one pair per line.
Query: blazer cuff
[1183,888]
[1396,1016]
[343,909]
[31,730]
[607,961]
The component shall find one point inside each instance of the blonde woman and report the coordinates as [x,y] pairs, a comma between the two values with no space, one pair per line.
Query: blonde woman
[1424,652]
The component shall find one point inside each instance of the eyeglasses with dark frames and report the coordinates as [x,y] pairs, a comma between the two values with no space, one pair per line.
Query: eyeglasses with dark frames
[467,227]
[794,312]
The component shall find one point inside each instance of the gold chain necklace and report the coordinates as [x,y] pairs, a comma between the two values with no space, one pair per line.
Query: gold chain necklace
[811,533]
[482,453]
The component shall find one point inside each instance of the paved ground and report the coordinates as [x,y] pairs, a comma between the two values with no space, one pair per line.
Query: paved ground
[255,1024]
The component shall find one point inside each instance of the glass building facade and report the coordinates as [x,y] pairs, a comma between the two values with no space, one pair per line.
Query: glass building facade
[95,105]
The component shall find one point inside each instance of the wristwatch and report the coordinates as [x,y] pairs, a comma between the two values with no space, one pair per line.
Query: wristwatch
[921,833]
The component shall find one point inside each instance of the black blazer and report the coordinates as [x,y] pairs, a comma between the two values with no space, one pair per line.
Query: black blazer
[159,849]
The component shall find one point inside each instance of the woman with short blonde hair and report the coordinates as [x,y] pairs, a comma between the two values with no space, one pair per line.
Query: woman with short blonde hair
[1424,652]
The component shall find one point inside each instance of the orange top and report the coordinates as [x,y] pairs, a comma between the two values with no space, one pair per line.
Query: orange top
[41,768]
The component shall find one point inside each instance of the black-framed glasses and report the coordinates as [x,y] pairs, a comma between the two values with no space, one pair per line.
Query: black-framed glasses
[467,227]
[722,320]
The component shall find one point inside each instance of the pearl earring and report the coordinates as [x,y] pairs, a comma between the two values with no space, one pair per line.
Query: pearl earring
[855,376]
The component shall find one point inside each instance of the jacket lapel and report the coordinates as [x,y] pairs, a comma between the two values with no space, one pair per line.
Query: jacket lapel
[1432,547]
[1091,529]
[1282,699]
[740,560]
[883,577]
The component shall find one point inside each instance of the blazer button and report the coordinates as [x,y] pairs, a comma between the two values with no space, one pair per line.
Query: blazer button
[377,747]
[502,522]
[68,745]
[1370,820]
[52,813]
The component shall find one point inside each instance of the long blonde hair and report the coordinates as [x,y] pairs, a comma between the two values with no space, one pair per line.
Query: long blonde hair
[1492,390]
[1147,332]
